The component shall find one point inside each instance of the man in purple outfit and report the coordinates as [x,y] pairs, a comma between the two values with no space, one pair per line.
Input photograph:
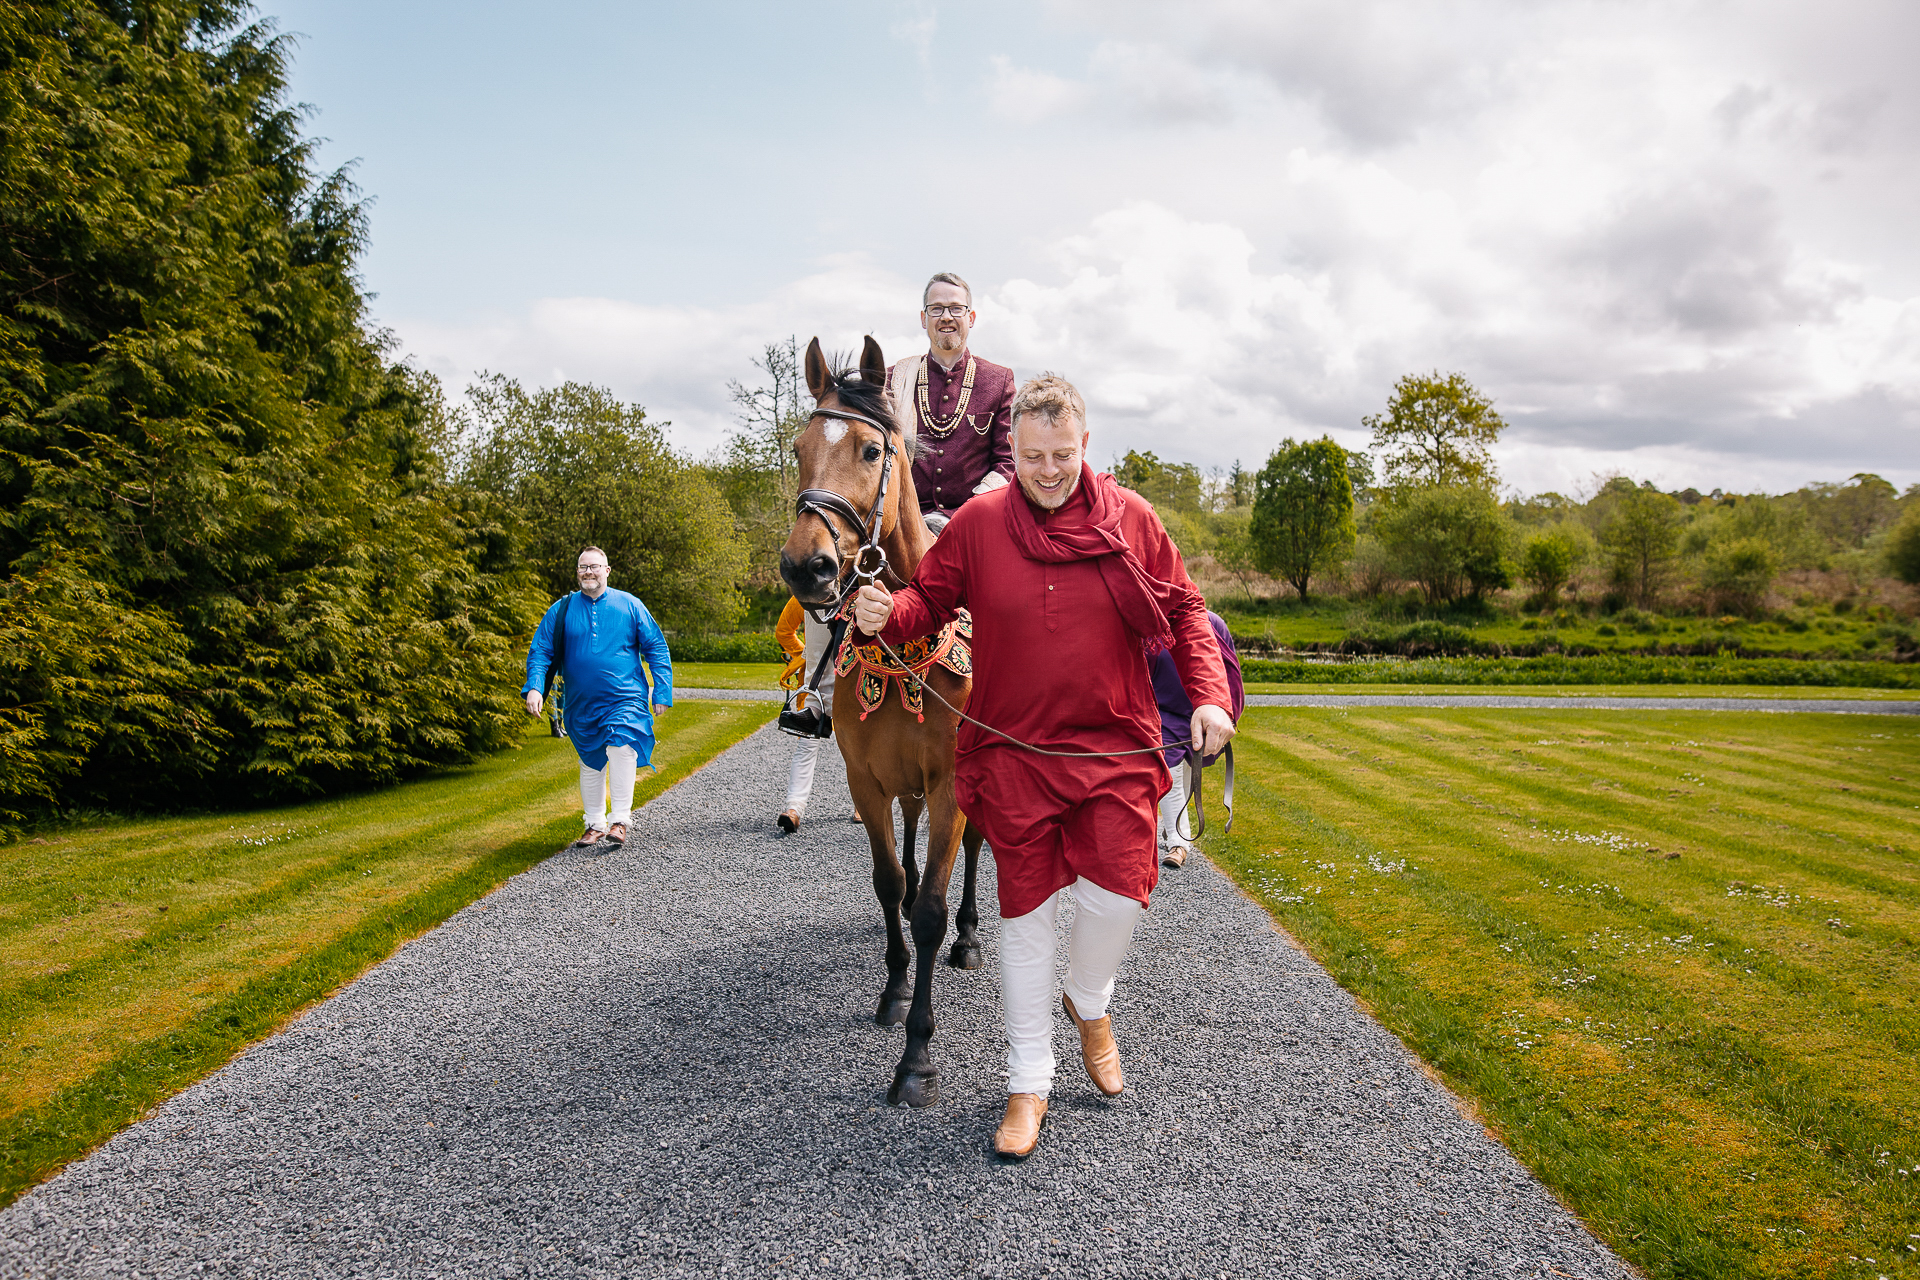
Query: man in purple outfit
[959,403]
[1176,722]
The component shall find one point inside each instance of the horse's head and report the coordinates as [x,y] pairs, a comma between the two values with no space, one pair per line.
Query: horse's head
[848,444]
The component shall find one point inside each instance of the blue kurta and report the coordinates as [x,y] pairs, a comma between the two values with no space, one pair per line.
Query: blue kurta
[607,698]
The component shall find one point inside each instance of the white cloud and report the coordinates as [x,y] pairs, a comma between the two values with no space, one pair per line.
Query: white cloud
[1669,240]
[676,361]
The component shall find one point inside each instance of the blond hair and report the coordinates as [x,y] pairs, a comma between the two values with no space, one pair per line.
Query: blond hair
[1049,396]
[946,277]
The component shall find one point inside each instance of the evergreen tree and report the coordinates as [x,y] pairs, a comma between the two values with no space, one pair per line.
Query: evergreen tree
[228,570]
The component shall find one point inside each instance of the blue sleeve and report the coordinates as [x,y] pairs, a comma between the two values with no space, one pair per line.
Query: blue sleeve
[540,652]
[652,643]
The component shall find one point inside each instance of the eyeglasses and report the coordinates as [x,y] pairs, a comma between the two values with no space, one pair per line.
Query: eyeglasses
[957,310]
[593,568]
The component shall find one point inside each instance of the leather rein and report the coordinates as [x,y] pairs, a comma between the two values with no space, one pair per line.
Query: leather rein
[870,562]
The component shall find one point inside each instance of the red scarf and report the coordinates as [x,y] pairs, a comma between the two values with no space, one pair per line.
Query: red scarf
[1142,599]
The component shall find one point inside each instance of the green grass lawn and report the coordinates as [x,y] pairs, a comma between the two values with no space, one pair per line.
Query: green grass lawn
[1600,691]
[727,675]
[137,956]
[1673,957]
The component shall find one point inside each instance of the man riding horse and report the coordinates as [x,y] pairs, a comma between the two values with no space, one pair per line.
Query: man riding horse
[956,404]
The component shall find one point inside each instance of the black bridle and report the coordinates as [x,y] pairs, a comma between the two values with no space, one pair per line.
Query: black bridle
[870,561]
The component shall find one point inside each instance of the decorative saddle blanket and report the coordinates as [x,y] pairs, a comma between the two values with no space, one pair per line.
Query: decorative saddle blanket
[951,648]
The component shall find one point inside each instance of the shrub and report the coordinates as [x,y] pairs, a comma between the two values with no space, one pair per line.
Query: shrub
[1451,541]
[1736,574]
[1548,561]
[1903,545]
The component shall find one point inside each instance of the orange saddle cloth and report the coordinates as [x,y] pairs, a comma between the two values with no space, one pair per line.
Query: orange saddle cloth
[951,648]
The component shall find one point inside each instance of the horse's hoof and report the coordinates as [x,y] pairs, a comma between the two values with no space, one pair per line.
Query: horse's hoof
[892,1011]
[914,1089]
[965,954]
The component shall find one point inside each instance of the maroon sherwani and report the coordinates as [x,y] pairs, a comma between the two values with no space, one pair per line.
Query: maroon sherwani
[1062,623]
[955,455]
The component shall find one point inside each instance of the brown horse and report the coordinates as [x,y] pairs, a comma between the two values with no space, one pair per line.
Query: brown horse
[855,447]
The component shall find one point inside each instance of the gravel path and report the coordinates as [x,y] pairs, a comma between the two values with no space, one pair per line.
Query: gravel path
[662,1062]
[1841,706]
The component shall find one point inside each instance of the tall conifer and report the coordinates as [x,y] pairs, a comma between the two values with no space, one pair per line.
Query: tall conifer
[228,567]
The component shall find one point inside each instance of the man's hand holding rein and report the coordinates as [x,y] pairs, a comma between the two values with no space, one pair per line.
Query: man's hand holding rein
[1212,729]
[874,605]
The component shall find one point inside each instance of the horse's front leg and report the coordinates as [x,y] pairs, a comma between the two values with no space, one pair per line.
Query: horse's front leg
[915,1082]
[889,882]
[966,942]
[910,810]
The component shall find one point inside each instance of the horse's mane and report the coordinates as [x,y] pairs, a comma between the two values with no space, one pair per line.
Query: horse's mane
[870,398]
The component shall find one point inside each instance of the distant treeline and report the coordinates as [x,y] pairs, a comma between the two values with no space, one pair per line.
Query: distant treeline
[1421,510]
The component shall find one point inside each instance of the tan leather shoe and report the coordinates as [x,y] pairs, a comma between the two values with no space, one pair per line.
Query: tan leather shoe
[1175,856]
[1019,1131]
[1097,1049]
[789,821]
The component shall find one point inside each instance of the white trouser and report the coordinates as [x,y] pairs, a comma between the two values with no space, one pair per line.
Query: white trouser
[1170,806]
[623,765]
[1102,931]
[806,751]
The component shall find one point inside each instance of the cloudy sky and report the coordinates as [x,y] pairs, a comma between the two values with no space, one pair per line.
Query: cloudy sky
[1672,239]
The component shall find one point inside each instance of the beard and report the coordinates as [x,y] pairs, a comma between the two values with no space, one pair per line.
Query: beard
[1049,501]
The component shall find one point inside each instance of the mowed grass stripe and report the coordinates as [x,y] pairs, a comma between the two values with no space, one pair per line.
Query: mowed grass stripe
[74,1075]
[1609,1177]
[1521,871]
[1756,1103]
[1890,876]
[1847,994]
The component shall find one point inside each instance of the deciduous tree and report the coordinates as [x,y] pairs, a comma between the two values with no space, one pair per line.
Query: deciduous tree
[580,468]
[1437,432]
[1452,540]
[1302,511]
[1642,540]
[1169,486]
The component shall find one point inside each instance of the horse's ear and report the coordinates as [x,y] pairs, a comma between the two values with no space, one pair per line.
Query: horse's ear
[818,380]
[873,365]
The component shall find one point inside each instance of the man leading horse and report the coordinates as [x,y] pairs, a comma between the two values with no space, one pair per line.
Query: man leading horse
[1072,583]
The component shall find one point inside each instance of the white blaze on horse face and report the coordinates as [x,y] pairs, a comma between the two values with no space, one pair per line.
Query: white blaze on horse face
[833,429]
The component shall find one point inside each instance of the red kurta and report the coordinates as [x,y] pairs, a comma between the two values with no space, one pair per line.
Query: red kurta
[1055,665]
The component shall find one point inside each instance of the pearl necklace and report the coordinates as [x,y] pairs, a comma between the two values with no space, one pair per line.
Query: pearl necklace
[936,428]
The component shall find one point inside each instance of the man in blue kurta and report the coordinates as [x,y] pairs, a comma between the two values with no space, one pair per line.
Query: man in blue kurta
[608,633]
